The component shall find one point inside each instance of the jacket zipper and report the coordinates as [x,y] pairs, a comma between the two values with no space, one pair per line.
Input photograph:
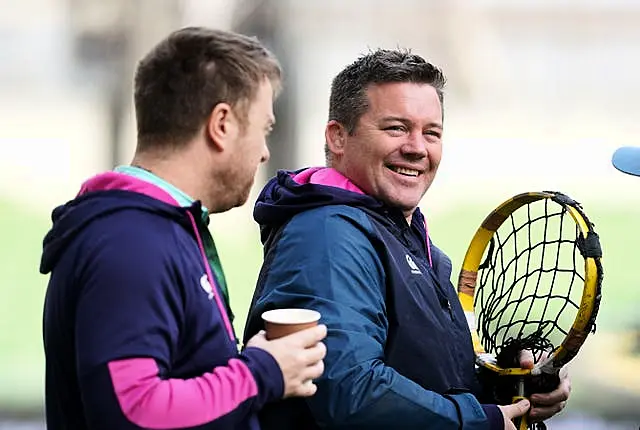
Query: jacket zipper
[212,279]
[450,310]
[444,301]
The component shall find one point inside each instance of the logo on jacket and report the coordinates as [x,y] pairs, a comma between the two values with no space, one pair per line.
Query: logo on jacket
[412,264]
[206,286]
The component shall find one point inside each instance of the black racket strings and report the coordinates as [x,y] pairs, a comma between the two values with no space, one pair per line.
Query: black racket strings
[532,271]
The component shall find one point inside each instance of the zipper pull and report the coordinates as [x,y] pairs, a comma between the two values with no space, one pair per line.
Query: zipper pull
[450,310]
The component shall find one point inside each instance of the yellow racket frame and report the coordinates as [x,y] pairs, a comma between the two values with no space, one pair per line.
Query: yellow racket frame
[590,296]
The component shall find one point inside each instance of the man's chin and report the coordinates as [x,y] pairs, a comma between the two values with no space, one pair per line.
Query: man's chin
[406,205]
[240,203]
[231,203]
[244,198]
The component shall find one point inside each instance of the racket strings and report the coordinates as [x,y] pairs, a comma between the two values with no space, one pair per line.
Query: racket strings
[530,281]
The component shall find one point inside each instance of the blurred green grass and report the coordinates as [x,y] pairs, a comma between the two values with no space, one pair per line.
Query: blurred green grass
[22,287]
[21,298]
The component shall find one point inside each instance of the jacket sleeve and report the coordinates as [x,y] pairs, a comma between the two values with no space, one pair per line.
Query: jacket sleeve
[129,315]
[328,262]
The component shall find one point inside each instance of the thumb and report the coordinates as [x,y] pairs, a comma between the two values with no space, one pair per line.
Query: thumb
[526,359]
[259,339]
[515,410]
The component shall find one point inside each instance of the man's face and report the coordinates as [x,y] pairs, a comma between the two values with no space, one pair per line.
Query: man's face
[250,146]
[396,147]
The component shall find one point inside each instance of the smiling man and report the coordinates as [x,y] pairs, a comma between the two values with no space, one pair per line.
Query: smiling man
[349,241]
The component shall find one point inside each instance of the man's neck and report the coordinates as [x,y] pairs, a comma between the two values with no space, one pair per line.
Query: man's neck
[408,217]
[177,169]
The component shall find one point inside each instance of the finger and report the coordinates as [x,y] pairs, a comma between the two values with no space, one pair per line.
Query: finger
[526,359]
[314,371]
[306,389]
[564,372]
[543,413]
[315,353]
[560,394]
[308,337]
[515,410]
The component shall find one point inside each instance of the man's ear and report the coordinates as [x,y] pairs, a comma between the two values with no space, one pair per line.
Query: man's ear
[336,137]
[222,126]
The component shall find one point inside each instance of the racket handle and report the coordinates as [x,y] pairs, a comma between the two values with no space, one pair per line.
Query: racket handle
[521,423]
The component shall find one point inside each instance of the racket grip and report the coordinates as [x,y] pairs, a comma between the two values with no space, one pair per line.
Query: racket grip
[521,423]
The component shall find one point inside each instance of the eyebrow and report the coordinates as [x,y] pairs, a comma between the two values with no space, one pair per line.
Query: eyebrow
[407,122]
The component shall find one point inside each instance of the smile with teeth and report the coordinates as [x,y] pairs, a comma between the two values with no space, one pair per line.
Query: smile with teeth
[405,172]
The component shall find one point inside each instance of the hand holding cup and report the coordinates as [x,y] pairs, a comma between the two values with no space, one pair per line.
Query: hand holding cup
[294,338]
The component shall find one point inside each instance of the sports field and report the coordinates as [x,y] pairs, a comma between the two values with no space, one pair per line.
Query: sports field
[22,289]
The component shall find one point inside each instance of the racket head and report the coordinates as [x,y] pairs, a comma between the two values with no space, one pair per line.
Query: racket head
[583,309]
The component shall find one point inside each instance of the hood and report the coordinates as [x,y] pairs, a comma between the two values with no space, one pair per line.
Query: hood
[292,192]
[100,196]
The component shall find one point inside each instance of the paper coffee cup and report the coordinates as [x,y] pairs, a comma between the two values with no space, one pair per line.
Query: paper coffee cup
[282,322]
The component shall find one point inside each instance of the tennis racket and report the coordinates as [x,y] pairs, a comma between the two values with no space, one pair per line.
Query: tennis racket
[530,280]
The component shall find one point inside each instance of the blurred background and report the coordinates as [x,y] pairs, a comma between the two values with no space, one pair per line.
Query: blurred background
[540,93]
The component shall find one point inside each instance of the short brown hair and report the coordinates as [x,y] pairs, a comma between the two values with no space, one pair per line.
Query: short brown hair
[186,75]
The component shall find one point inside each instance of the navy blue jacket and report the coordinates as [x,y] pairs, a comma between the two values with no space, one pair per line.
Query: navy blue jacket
[136,333]
[399,349]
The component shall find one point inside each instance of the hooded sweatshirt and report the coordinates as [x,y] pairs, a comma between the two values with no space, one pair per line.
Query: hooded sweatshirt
[136,328]
[399,350]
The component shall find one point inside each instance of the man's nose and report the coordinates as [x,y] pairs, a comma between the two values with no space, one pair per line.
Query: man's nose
[416,146]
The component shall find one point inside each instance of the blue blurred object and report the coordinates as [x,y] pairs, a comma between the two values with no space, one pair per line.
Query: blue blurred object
[627,160]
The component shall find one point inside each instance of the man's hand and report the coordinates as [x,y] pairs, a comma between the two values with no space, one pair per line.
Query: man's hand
[299,356]
[509,412]
[546,405]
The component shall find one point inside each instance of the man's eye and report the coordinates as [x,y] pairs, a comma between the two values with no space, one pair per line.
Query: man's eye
[395,128]
[433,133]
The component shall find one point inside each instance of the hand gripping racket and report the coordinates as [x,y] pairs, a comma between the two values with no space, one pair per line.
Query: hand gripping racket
[530,280]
